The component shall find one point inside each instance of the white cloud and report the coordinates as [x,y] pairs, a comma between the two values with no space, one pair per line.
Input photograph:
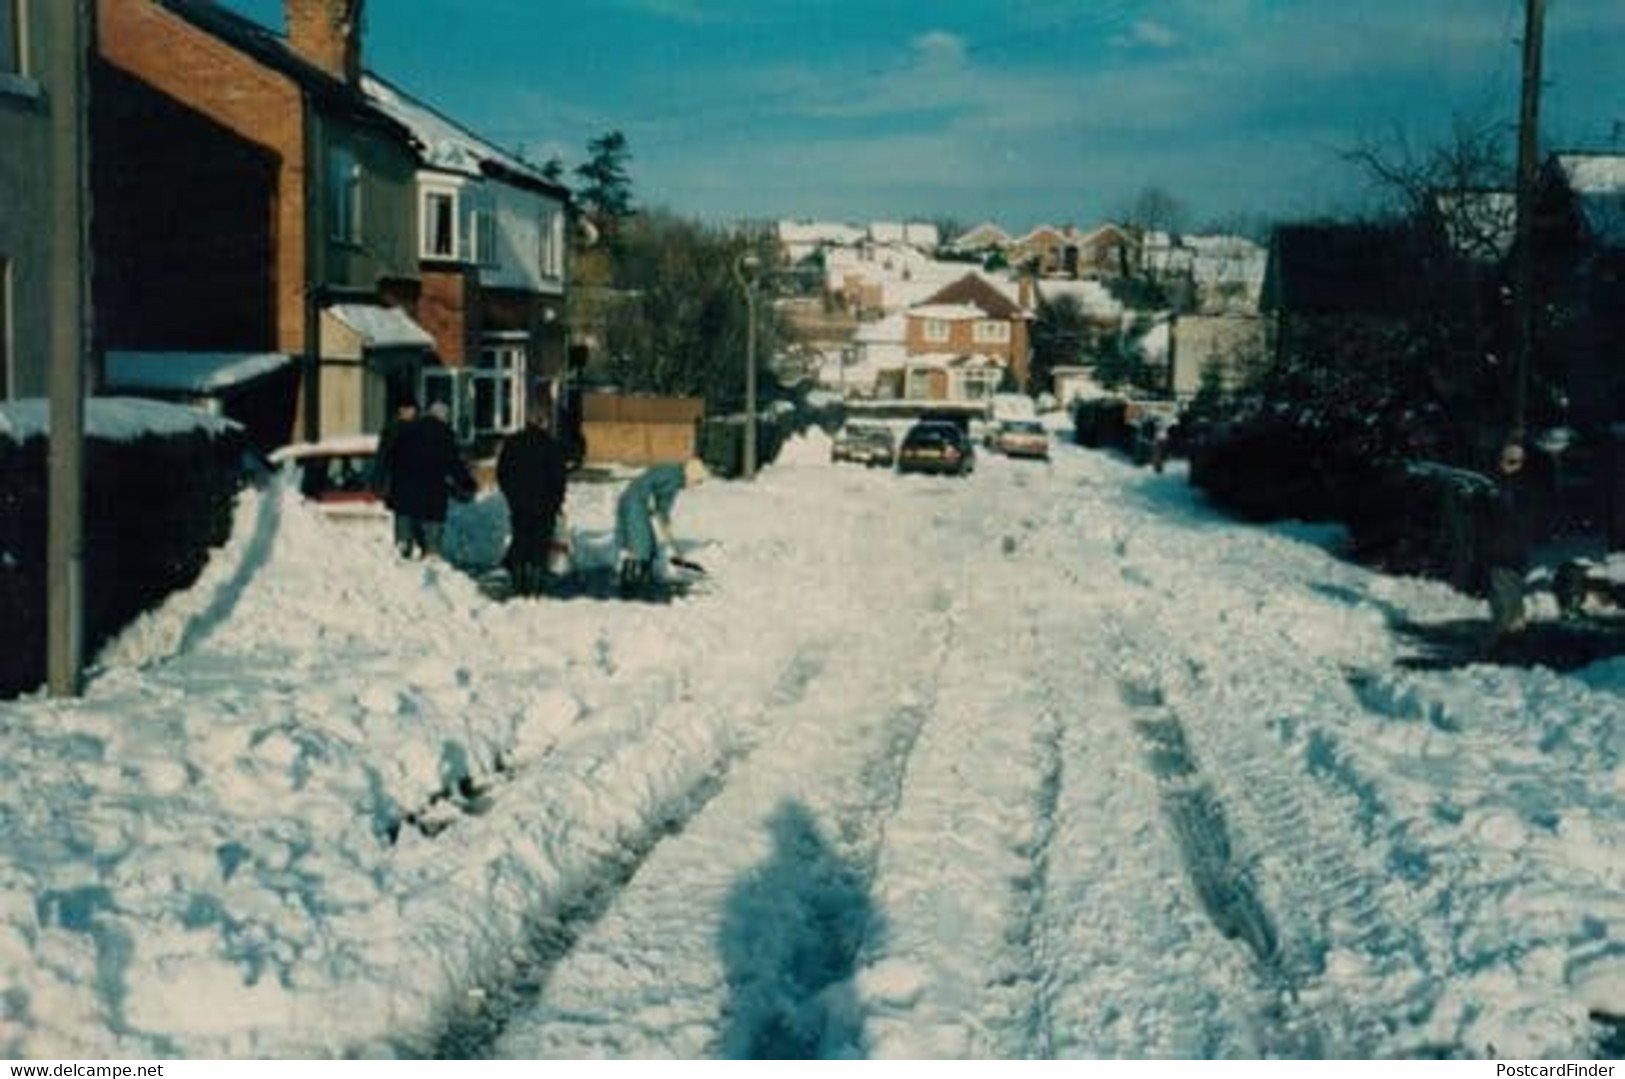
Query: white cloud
[939,48]
[1148,33]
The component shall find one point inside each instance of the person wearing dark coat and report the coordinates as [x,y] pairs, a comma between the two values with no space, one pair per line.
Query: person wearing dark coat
[1507,543]
[531,474]
[425,471]
[406,410]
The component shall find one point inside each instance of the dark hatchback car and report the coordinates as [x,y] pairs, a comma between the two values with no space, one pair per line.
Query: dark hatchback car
[936,447]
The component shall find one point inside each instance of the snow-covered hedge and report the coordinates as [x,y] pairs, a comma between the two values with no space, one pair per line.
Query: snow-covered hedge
[160,481]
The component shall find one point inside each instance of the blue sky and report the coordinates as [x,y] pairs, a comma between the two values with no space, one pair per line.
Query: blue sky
[1017,111]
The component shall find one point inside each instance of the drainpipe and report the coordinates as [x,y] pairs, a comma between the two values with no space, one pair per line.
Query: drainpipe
[313,262]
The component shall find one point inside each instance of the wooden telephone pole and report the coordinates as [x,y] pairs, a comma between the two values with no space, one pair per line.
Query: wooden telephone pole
[1523,283]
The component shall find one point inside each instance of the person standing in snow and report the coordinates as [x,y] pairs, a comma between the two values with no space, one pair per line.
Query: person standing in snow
[1506,544]
[425,471]
[406,410]
[643,518]
[531,474]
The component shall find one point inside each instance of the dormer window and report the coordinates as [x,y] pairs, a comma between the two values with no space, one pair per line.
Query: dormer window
[439,231]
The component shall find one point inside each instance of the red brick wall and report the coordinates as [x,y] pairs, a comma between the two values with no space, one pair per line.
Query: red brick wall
[444,310]
[208,76]
[317,31]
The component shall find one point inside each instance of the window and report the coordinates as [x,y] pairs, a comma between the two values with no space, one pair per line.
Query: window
[11,37]
[550,259]
[977,385]
[482,230]
[936,330]
[988,332]
[439,226]
[344,187]
[499,389]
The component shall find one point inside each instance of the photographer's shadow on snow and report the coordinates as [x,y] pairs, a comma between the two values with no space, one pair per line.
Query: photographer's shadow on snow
[790,938]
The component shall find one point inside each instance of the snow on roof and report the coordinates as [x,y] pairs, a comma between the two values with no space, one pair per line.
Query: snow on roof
[983,235]
[890,328]
[446,144]
[381,327]
[815,232]
[1594,173]
[947,311]
[1093,297]
[953,359]
[111,419]
[1154,345]
[337,445]
[189,372]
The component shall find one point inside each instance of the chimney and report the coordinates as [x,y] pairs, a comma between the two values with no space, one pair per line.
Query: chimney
[327,33]
[1024,290]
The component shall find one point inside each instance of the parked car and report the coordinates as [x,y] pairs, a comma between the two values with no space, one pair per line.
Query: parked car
[1021,438]
[869,444]
[936,447]
[336,474]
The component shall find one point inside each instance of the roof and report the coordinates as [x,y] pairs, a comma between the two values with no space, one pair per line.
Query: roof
[1325,269]
[1093,298]
[890,328]
[198,373]
[977,291]
[950,312]
[379,326]
[953,359]
[272,50]
[446,144]
[983,235]
[1598,183]
[112,419]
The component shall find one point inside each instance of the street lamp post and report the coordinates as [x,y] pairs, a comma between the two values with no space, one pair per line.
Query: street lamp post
[746,269]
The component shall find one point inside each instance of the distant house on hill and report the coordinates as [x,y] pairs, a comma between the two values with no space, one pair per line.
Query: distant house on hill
[963,340]
[983,239]
[1104,252]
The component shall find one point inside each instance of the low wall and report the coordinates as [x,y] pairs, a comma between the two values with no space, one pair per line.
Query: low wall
[155,503]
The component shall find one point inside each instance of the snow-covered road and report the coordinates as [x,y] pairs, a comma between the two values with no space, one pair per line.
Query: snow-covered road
[1052,761]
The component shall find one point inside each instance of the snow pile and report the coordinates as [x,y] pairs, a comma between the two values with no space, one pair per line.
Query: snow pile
[810,447]
[1042,762]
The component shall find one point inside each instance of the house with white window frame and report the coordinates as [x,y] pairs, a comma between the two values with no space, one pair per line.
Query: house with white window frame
[492,268]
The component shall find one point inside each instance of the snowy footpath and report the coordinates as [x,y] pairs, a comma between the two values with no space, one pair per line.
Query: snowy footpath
[1052,761]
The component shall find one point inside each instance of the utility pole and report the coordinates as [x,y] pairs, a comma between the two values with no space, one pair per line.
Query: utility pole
[1523,283]
[746,269]
[70,34]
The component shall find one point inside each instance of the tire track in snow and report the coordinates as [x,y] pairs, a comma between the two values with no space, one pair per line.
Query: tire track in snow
[554,932]
[657,976]
[679,963]
[1322,879]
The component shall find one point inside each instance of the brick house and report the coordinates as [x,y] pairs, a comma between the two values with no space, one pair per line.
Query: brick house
[491,270]
[962,341]
[244,186]
[260,194]
[40,40]
[1104,252]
